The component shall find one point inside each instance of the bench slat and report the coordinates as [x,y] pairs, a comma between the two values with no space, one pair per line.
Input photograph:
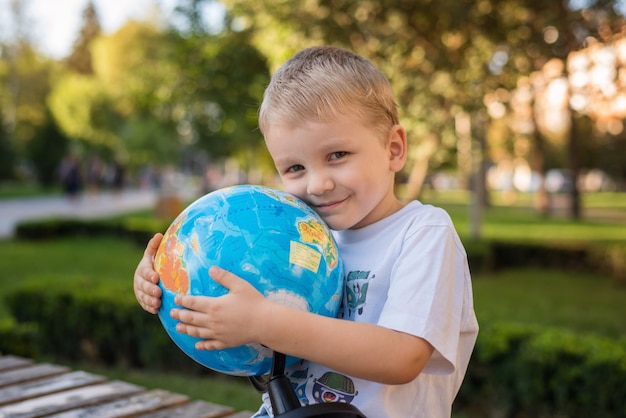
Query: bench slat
[24,374]
[196,409]
[32,389]
[12,362]
[128,407]
[243,414]
[64,401]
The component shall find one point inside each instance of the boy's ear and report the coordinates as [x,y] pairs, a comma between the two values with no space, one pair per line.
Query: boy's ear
[397,148]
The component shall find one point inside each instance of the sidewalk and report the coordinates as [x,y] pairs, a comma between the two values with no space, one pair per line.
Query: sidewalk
[102,205]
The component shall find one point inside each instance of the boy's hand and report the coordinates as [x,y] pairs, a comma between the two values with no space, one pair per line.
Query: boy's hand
[145,281]
[226,321]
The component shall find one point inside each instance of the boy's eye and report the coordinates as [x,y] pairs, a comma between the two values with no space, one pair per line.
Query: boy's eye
[295,168]
[337,155]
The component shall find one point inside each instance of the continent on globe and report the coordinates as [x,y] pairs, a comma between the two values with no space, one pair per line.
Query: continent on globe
[314,232]
[265,236]
[170,262]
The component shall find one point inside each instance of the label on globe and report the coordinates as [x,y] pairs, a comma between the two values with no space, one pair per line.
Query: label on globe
[304,256]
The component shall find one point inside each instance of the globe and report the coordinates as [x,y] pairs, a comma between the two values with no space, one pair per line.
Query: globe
[265,236]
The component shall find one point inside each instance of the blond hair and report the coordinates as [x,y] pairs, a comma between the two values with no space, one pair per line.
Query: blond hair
[320,84]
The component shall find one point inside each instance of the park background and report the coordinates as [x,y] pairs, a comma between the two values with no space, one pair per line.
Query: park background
[515,114]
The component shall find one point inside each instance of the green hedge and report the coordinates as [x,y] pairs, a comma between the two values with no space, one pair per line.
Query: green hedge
[522,371]
[606,258]
[516,371]
[19,338]
[139,230]
[93,327]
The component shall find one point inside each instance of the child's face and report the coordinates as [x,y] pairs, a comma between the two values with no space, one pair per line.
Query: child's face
[342,169]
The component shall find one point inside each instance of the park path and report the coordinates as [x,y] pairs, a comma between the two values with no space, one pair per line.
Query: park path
[87,206]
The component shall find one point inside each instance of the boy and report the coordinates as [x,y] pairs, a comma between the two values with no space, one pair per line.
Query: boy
[401,346]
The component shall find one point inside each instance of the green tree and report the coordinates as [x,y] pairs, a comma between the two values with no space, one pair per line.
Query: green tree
[28,80]
[443,57]
[221,84]
[155,95]
[83,110]
[135,68]
[191,13]
[553,30]
[435,54]
[46,150]
[25,77]
[122,109]
[7,154]
[80,58]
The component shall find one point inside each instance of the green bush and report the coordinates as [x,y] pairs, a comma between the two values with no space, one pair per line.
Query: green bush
[516,370]
[19,339]
[95,327]
[519,371]
[560,256]
[607,258]
[610,259]
[138,230]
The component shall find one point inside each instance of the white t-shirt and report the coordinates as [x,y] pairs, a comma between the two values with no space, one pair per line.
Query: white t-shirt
[407,272]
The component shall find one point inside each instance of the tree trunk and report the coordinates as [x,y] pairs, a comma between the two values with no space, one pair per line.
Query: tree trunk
[542,198]
[574,201]
[418,173]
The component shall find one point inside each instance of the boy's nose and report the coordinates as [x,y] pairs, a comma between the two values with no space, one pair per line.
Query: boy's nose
[319,183]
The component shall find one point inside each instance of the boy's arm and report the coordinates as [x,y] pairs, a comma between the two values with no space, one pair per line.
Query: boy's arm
[145,281]
[358,349]
[361,350]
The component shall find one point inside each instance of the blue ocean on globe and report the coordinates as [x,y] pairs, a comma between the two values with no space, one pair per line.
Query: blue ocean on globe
[266,236]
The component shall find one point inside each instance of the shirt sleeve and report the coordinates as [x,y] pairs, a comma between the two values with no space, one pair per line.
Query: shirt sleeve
[427,288]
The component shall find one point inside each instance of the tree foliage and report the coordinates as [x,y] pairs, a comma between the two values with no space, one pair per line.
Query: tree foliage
[80,58]
[25,82]
[220,88]
[118,108]
[154,94]
[7,154]
[46,149]
[150,94]
[443,57]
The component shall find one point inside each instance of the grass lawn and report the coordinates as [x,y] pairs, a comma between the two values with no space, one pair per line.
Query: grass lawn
[17,190]
[83,263]
[580,302]
[603,220]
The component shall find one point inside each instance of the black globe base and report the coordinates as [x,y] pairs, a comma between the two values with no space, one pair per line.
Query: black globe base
[286,404]
[324,410]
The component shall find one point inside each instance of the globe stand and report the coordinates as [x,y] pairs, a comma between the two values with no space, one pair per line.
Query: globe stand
[286,404]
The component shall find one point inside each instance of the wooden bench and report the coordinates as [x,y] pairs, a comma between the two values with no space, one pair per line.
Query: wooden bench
[29,390]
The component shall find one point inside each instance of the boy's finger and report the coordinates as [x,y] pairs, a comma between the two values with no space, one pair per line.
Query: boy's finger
[223,277]
[154,291]
[153,244]
[153,277]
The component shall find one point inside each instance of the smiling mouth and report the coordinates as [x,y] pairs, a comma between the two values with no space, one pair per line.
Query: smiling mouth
[328,205]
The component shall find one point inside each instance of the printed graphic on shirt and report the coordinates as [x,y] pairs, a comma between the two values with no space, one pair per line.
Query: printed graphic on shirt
[330,387]
[355,294]
[298,379]
[333,387]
